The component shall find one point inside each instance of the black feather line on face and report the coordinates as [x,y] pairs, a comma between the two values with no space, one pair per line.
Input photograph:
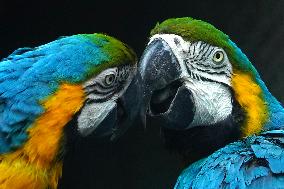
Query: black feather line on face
[199,142]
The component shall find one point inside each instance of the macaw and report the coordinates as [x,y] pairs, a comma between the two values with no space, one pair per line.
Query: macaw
[213,108]
[85,79]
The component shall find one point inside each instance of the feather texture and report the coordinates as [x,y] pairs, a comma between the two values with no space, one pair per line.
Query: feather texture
[28,77]
[40,92]
[255,159]
[255,162]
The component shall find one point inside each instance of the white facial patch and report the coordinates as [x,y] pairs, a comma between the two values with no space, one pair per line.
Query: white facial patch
[97,87]
[102,92]
[92,115]
[197,57]
[206,74]
[212,102]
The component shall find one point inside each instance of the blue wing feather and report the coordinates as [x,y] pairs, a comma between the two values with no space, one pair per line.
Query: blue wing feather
[30,75]
[255,163]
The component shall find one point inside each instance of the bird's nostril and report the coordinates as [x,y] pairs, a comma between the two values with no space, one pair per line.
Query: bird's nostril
[162,99]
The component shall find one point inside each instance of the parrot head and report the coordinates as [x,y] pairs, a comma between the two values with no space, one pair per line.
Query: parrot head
[86,79]
[202,89]
[110,103]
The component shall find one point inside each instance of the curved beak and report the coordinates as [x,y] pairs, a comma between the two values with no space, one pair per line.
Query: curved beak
[127,108]
[165,97]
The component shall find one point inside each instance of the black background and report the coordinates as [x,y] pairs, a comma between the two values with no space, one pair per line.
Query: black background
[138,159]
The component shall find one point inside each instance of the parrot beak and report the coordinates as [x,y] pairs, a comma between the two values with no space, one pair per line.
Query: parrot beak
[166,100]
[127,108]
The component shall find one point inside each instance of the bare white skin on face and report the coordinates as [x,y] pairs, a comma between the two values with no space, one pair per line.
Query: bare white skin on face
[206,72]
[212,102]
[92,115]
[102,93]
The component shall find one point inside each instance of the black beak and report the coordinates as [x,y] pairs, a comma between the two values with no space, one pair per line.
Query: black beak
[165,98]
[127,108]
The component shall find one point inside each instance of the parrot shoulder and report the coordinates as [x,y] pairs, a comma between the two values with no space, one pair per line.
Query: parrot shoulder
[21,90]
[21,51]
[254,162]
[30,75]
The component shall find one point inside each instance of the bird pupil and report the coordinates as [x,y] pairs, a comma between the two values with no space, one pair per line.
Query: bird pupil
[218,55]
[110,78]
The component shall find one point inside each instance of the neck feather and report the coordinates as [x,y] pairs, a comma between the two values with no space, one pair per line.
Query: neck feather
[263,111]
[36,163]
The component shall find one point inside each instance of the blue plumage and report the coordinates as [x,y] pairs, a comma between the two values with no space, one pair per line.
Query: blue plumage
[30,75]
[276,118]
[232,125]
[256,162]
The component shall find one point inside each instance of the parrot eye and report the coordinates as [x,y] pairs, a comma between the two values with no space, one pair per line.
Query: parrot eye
[218,57]
[109,79]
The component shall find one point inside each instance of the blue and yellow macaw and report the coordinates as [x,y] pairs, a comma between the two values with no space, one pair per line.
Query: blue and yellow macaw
[213,108]
[86,79]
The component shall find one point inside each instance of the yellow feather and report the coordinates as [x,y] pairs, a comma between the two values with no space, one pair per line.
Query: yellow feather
[249,95]
[34,166]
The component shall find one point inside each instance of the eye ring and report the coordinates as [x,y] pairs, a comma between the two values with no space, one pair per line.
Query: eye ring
[109,79]
[218,57]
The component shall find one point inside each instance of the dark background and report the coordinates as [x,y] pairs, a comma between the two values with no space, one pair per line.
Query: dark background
[138,159]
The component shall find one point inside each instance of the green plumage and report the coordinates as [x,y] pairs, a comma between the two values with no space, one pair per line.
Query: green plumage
[119,53]
[226,159]
[196,30]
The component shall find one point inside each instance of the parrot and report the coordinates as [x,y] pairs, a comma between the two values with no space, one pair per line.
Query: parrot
[86,79]
[212,106]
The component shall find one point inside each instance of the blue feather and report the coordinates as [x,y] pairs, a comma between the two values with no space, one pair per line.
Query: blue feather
[30,75]
[256,162]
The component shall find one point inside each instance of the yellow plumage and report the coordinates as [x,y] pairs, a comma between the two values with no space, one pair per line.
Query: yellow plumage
[249,95]
[34,165]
